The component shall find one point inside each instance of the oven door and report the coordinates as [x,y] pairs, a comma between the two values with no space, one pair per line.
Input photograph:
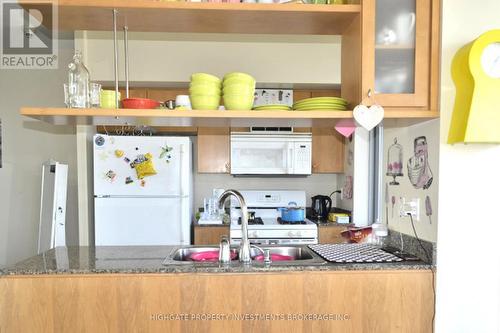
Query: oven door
[253,156]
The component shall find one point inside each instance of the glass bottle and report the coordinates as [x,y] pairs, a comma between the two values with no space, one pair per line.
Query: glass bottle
[78,83]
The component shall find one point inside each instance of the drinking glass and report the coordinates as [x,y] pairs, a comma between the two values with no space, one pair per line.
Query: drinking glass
[95,95]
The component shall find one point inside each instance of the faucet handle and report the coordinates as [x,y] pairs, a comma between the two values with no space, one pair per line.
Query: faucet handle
[224,250]
[267,257]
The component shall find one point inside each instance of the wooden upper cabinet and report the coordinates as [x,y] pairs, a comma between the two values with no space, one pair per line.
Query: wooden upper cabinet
[327,151]
[213,150]
[397,52]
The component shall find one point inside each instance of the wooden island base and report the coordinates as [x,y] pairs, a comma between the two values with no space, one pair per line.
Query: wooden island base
[346,301]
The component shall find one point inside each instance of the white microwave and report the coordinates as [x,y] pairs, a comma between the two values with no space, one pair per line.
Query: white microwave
[271,154]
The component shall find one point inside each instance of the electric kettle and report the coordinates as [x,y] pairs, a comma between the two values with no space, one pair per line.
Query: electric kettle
[321,205]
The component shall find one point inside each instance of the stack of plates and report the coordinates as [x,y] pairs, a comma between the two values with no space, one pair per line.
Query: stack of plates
[280,107]
[321,103]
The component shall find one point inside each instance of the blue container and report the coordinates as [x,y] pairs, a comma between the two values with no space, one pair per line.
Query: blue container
[292,213]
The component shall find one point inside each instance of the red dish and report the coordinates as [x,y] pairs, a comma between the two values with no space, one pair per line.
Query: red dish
[139,103]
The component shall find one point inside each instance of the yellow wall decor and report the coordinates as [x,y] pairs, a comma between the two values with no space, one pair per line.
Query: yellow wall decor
[476,74]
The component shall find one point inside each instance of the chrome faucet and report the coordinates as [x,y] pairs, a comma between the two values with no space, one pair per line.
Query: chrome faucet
[244,253]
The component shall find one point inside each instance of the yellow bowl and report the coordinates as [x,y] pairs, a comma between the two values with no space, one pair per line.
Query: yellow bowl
[204,77]
[205,102]
[238,102]
[203,89]
[239,75]
[237,80]
[238,89]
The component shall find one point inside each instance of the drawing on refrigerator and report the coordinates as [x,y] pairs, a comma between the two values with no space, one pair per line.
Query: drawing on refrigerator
[140,199]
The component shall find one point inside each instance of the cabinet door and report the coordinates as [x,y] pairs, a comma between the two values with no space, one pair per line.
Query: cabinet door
[209,235]
[213,150]
[396,42]
[327,151]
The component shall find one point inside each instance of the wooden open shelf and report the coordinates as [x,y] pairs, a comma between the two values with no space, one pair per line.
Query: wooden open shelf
[161,16]
[164,117]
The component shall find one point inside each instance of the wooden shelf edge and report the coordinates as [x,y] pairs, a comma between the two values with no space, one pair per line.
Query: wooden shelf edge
[166,5]
[209,118]
[163,113]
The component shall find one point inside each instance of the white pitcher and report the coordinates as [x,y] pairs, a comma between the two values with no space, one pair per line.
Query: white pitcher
[405,28]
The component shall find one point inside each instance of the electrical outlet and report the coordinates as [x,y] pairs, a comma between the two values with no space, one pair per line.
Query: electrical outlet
[410,206]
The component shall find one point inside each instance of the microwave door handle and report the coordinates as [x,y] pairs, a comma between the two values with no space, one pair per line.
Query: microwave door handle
[289,166]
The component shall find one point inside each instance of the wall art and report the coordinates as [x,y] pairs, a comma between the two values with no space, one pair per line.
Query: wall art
[419,171]
[395,162]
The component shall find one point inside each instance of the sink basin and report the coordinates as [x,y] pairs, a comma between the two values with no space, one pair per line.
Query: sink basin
[191,253]
[280,255]
[295,253]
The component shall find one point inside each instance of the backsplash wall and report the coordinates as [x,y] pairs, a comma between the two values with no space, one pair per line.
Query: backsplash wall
[314,184]
[423,170]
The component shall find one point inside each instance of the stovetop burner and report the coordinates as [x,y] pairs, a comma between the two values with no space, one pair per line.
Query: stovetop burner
[256,220]
[280,221]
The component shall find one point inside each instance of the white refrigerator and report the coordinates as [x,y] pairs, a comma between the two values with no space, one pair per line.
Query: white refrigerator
[142,190]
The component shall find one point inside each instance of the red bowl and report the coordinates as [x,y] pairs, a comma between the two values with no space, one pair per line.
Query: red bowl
[139,103]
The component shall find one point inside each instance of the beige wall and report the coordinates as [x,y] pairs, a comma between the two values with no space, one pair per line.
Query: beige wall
[426,228]
[26,145]
[172,57]
[468,274]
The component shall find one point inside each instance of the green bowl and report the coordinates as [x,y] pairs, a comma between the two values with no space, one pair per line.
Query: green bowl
[242,76]
[205,102]
[238,89]
[237,80]
[203,89]
[238,102]
[204,77]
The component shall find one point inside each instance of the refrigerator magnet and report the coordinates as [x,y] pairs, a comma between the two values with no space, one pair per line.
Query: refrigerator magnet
[110,176]
[119,153]
[146,167]
[128,180]
[165,153]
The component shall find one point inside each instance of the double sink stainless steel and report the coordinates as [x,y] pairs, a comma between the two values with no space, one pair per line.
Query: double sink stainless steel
[245,253]
[302,255]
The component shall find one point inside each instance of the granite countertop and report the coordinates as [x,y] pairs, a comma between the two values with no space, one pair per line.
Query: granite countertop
[149,259]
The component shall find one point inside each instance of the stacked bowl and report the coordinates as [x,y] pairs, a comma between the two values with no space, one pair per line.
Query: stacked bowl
[205,91]
[238,91]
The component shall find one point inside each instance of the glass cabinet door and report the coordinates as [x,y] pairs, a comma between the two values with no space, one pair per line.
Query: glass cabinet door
[401,46]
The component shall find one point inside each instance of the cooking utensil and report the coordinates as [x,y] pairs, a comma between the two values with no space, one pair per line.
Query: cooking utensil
[292,213]
[321,205]
[139,103]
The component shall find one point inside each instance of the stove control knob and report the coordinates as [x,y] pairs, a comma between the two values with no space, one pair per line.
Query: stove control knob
[253,234]
[291,234]
[298,234]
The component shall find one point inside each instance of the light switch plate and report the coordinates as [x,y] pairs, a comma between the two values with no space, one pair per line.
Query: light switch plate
[410,206]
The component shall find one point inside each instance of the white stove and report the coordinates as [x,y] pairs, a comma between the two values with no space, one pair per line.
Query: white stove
[266,226]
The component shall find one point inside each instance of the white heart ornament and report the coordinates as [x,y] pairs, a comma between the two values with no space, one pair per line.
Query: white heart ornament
[368,117]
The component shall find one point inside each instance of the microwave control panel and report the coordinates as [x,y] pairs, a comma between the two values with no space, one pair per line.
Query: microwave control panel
[303,158]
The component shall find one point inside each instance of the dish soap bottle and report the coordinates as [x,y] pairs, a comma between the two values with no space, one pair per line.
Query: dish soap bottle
[78,83]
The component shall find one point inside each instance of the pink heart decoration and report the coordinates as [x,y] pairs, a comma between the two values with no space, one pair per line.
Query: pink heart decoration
[345,127]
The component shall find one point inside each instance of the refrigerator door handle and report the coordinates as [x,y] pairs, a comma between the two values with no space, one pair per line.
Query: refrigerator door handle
[181,191]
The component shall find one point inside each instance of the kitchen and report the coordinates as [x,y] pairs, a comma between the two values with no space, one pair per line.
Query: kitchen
[310,288]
